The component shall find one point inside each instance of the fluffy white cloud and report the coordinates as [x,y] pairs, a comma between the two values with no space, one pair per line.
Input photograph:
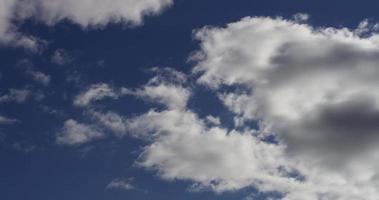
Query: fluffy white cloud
[314,88]
[8,31]
[170,95]
[165,88]
[88,13]
[93,93]
[75,133]
[111,121]
[185,148]
[94,12]
[213,120]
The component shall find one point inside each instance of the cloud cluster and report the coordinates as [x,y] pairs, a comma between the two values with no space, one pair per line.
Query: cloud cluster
[313,90]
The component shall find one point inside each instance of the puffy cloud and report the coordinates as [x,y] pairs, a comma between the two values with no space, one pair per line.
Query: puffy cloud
[184,148]
[89,13]
[111,121]
[75,133]
[95,92]
[313,88]
[95,12]
[169,95]
[8,31]
[165,88]
[213,120]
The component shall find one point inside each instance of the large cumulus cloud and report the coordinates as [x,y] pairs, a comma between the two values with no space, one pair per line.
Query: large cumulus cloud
[313,88]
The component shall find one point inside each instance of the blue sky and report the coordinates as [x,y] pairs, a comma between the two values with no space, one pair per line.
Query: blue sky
[175,99]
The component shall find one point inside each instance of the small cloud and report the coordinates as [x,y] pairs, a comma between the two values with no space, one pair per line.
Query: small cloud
[94,93]
[15,95]
[23,147]
[112,121]
[213,120]
[61,57]
[5,120]
[121,183]
[300,17]
[40,77]
[75,133]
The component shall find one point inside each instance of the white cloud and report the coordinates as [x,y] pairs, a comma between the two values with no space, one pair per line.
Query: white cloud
[75,133]
[93,93]
[89,13]
[15,95]
[213,120]
[314,88]
[166,88]
[8,32]
[94,12]
[184,148]
[112,121]
[124,184]
[40,77]
[169,95]
[300,17]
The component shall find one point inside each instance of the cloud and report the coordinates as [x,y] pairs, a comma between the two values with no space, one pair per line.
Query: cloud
[15,95]
[170,95]
[184,148]
[9,34]
[124,184]
[75,133]
[93,93]
[5,120]
[61,57]
[94,12]
[312,88]
[90,13]
[111,121]
[39,77]
[165,88]
[300,17]
[213,120]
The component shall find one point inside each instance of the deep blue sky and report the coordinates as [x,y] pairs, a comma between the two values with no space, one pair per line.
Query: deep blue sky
[53,172]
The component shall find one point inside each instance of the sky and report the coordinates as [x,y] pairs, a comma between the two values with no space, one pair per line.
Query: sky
[179,99]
